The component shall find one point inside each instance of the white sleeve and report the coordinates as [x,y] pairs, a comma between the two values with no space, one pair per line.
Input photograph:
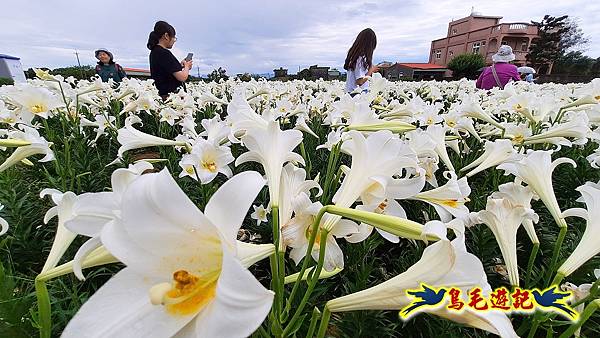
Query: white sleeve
[360,69]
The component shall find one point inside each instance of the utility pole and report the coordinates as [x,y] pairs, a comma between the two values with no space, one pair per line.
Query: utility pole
[79,63]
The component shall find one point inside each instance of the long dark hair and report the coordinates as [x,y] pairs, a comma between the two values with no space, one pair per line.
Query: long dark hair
[364,45]
[160,28]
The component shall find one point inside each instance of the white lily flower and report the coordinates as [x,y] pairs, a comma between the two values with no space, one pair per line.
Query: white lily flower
[443,264]
[504,219]
[294,186]
[303,126]
[296,233]
[182,276]
[333,138]
[387,207]
[579,293]
[64,237]
[495,153]
[168,115]
[437,134]
[272,148]
[520,195]
[473,109]
[35,101]
[242,117]
[100,123]
[37,145]
[374,159]
[577,127]
[131,138]
[206,161]
[449,199]
[428,159]
[535,169]
[589,245]
[260,214]
[215,130]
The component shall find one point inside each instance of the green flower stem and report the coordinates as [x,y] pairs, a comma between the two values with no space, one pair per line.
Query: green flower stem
[316,314]
[532,256]
[312,283]
[311,242]
[331,168]
[275,310]
[557,246]
[44,310]
[306,159]
[593,294]
[276,265]
[583,317]
[324,322]
[534,327]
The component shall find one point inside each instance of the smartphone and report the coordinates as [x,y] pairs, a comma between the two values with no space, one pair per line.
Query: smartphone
[189,57]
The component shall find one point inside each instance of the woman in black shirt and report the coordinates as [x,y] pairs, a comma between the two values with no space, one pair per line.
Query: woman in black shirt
[168,73]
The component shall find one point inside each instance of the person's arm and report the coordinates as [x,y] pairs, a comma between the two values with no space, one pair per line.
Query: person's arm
[183,74]
[180,71]
[515,74]
[362,74]
[122,73]
[361,80]
[479,80]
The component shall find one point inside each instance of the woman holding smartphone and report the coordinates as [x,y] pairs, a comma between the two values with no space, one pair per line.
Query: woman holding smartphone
[168,73]
[359,61]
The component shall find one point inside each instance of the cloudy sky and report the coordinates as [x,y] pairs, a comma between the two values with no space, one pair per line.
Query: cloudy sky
[254,36]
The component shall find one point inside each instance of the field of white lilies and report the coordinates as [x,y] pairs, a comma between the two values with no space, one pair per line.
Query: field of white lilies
[285,209]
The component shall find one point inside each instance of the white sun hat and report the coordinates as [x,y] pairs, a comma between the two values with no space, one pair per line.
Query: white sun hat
[103,50]
[504,54]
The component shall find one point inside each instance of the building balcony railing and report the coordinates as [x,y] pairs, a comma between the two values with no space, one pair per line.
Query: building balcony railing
[513,28]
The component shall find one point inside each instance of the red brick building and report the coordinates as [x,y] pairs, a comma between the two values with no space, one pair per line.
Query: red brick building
[483,35]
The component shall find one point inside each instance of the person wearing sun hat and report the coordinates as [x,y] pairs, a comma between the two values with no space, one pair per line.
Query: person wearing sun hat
[107,68]
[500,72]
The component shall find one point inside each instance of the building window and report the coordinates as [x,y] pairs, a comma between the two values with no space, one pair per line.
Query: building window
[438,54]
[476,47]
[482,43]
[451,53]
[524,46]
[504,43]
[454,31]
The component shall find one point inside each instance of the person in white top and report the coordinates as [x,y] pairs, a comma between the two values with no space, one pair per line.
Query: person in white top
[359,61]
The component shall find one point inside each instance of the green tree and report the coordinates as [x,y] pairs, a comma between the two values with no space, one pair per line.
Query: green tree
[557,36]
[80,73]
[218,74]
[6,81]
[574,63]
[466,65]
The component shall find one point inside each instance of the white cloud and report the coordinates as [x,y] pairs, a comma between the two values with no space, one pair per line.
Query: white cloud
[254,36]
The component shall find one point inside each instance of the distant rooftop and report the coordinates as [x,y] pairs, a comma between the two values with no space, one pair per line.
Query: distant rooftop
[422,65]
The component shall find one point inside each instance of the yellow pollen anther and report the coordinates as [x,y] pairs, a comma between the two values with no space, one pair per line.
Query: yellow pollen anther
[518,139]
[451,203]
[210,166]
[37,108]
[187,294]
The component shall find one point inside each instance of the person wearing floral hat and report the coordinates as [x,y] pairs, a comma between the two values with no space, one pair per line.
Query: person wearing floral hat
[500,72]
[107,68]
